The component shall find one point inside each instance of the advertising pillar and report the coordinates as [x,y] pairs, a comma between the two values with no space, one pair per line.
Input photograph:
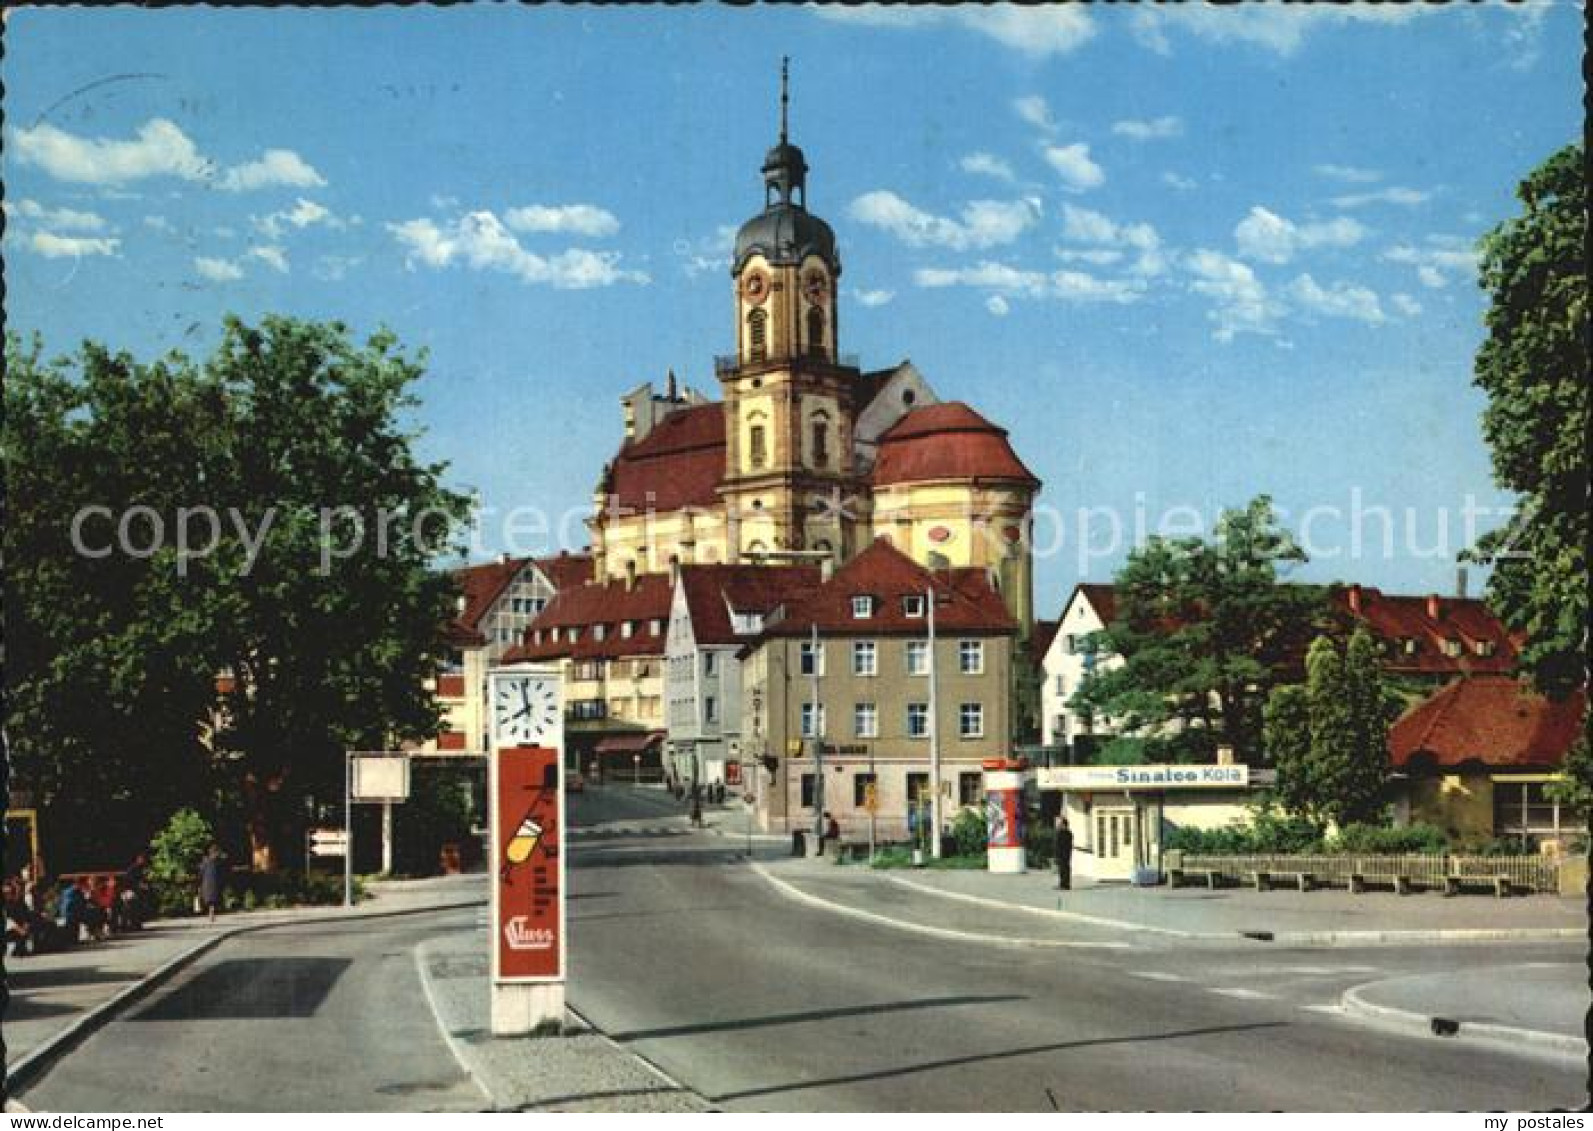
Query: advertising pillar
[528,888]
[1004,816]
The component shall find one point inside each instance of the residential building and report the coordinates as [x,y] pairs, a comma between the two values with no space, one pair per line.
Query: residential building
[715,611]
[864,693]
[497,601]
[1074,651]
[1477,756]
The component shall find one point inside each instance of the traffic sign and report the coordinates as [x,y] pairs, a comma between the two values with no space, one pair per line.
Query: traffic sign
[328,842]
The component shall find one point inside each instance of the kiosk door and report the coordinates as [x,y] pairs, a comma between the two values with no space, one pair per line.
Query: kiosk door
[1116,832]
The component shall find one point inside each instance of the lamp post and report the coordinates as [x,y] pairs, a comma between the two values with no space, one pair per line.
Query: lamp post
[817,715]
[934,733]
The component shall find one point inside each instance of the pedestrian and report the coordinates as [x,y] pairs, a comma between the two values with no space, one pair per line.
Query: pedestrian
[832,832]
[696,806]
[69,912]
[1064,854]
[212,878]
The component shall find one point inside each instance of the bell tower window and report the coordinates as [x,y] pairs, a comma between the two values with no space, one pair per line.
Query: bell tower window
[757,335]
[816,331]
[821,443]
[758,451]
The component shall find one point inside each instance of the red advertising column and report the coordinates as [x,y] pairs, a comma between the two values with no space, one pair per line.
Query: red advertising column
[528,885]
[1004,816]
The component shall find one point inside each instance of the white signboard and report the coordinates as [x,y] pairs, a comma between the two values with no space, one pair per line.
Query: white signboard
[1105,779]
[328,842]
[380,777]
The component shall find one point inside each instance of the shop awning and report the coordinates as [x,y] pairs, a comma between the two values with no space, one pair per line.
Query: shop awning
[622,744]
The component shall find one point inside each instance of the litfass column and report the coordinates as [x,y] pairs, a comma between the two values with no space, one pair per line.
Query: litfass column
[1004,852]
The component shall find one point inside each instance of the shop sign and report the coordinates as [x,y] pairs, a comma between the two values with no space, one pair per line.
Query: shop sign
[1075,778]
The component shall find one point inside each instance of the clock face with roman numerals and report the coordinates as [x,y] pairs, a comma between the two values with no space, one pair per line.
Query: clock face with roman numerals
[525,711]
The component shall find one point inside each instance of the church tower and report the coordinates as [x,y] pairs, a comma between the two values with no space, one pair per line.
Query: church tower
[790,484]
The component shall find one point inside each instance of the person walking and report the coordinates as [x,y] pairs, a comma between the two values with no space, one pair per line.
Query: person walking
[1064,854]
[212,879]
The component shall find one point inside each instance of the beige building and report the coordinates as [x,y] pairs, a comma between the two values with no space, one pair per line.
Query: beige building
[865,694]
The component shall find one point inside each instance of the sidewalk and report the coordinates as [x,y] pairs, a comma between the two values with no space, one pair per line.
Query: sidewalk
[56,998]
[1541,1005]
[581,1072]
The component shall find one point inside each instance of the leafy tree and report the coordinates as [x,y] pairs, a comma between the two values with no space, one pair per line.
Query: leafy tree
[1202,633]
[1329,736]
[1533,366]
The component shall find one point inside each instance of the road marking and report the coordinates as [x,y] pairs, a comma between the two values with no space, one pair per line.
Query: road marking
[1242,993]
[1329,1008]
[1158,976]
[1323,970]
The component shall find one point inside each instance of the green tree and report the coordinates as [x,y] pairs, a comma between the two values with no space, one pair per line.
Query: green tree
[1329,736]
[292,437]
[1203,632]
[1533,366]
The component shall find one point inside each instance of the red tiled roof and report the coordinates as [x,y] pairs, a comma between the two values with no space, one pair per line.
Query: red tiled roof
[678,464]
[480,586]
[947,441]
[565,569]
[713,591]
[1491,719]
[1102,598]
[1399,618]
[585,607]
[1044,634]
[966,601]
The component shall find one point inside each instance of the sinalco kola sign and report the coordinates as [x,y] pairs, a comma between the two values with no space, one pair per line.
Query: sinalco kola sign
[1079,779]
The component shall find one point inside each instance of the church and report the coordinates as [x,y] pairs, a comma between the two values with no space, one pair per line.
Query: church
[807,458]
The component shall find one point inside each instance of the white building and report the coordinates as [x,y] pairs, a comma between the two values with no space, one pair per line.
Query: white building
[1070,655]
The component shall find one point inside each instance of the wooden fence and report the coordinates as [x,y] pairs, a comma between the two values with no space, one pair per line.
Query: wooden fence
[1447,871]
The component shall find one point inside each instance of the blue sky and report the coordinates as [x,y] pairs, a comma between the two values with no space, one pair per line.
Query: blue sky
[1186,255]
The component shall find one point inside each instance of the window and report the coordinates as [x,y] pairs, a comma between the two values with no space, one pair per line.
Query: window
[758,454]
[1524,809]
[1483,647]
[913,606]
[971,657]
[600,631]
[1070,644]
[865,720]
[862,608]
[808,716]
[971,720]
[757,335]
[807,791]
[860,784]
[816,331]
[812,658]
[627,629]
[710,663]
[710,709]
[821,444]
[1410,646]
[1061,686]
[918,720]
[1451,646]
[970,788]
[917,788]
[918,657]
[656,627]
[865,657]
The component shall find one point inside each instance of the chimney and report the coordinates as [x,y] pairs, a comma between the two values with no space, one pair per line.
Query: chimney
[826,569]
[503,558]
[1434,607]
[671,388]
[1354,595]
[630,576]
[1460,582]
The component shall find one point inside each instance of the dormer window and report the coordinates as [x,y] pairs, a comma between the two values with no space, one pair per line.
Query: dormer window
[862,608]
[1409,645]
[913,606]
[1484,647]
[655,627]
[600,631]
[1452,647]
[627,629]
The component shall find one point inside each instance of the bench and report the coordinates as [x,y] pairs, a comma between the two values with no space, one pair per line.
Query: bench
[1303,881]
[1502,886]
[1176,876]
[1403,885]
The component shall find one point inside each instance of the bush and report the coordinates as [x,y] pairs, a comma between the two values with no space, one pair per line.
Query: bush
[1381,839]
[969,832]
[174,856]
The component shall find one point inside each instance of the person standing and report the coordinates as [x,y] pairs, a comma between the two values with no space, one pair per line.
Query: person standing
[212,877]
[1064,854]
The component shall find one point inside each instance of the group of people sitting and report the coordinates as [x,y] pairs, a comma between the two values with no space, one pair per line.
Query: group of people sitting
[41,917]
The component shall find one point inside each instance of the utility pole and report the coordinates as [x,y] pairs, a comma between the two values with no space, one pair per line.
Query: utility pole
[348,829]
[818,737]
[934,733]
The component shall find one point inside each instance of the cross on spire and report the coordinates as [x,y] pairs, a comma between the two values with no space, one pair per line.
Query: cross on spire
[785,76]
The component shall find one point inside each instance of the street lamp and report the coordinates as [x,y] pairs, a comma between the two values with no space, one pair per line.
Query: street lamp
[931,599]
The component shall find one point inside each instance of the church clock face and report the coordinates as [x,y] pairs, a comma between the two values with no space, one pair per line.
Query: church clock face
[815,287]
[525,711]
[755,287]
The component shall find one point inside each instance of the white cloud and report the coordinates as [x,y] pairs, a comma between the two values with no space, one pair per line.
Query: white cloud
[1350,174]
[1182,184]
[217,270]
[988,165]
[158,149]
[63,218]
[276,168]
[1035,31]
[577,219]
[481,241]
[158,223]
[332,268]
[1073,164]
[873,298]
[1077,286]
[1444,260]
[273,257]
[1069,286]
[1149,131]
[1341,300]
[1096,257]
[1242,304]
[1278,29]
[1033,109]
[1270,238]
[1406,305]
[1431,277]
[303,214]
[997,305]
[1082,225]
[1394,194]
[984,223]
[52,246]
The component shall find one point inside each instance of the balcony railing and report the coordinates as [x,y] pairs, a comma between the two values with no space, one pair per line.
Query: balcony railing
[586,710]
[726,364]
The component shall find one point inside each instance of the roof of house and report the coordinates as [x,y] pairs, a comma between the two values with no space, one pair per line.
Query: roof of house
[1467,620]
[480,586]
[609,604]
[714,591]
[565,569]
[1044,633]
[677,464]
[966,601]
[1102,598]
[1494,720]
[947,441]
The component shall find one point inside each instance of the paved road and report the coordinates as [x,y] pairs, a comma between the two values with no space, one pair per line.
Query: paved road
[760,1004]
[324,1017]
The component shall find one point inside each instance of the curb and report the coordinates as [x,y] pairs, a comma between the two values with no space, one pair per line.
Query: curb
[1094,920]
[1445,1028]
[36,1062]
[455,1046]
[791,891]
[639,1058]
